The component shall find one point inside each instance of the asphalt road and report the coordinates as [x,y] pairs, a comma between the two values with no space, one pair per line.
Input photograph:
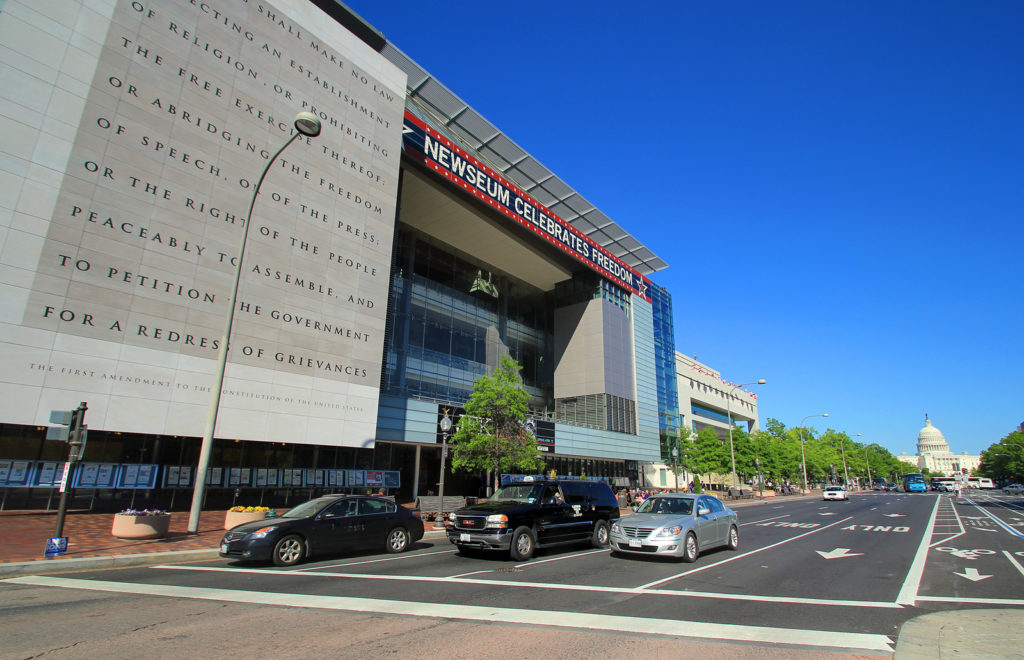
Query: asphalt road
[810,576]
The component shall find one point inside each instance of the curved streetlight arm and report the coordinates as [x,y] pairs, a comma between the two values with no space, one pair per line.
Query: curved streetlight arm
[306,125]
[803,454]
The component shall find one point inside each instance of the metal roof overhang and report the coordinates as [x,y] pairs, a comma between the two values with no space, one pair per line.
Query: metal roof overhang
[436,105]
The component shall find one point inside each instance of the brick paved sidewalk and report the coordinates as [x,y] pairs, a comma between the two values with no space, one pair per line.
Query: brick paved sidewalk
[24,535]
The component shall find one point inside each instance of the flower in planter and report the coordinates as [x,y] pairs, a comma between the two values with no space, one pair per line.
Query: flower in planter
[143,512]
[250,509]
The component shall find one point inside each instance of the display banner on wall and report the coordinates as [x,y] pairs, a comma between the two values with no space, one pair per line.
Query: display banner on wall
[444,157]
[135,133]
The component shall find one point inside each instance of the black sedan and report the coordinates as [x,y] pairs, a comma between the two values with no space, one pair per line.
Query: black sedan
[331,524]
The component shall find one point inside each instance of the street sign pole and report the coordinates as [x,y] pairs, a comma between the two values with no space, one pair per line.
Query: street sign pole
[74,455]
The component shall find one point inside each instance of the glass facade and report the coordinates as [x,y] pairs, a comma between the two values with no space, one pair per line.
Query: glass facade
[669,419]
[450,318]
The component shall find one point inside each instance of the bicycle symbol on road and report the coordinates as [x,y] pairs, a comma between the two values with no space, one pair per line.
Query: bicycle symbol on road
[966,554]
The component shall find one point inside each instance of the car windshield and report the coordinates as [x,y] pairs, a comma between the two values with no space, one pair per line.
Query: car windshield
[678,506]
[834,488]
[307,509]
[517,493]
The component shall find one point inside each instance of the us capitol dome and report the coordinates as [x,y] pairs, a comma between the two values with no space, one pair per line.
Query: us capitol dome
[933,453]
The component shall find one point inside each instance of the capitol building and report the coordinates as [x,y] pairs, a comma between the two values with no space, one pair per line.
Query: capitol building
[934,455]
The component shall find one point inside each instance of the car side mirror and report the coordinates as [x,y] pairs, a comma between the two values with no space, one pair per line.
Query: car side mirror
[703,511]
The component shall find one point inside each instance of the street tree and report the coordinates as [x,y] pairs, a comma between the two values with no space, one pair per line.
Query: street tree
[1004,460]
[492,434]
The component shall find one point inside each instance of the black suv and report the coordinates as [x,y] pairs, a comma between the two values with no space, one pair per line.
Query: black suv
[527,515]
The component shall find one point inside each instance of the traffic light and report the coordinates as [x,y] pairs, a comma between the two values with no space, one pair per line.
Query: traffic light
[70,429]
[963,470]
[66,420]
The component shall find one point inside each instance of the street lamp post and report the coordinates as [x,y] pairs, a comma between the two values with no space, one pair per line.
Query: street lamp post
[306,125]
[446,426]
[728,408]
[803,454]
[846,472]
[675,461]
[868,461]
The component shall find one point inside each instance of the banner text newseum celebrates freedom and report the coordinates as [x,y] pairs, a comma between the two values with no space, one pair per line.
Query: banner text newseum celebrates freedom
[455,164]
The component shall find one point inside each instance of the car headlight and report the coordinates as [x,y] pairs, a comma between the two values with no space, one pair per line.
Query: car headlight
[616,529]
[666,532]
[452,518]
[497,521]
[262,532]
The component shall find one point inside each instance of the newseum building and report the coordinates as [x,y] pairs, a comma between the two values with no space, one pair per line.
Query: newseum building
[390,262]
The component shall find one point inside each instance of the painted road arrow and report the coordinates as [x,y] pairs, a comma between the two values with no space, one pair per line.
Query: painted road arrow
[972,574]
[839,553]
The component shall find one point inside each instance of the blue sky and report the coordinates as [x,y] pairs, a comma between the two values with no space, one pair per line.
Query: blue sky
[837,187]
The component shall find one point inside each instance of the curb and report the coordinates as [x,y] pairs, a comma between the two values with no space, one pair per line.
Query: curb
[47,566]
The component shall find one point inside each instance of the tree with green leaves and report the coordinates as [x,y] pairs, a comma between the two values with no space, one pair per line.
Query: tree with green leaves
[492,434]
[707,453]
[1004,460]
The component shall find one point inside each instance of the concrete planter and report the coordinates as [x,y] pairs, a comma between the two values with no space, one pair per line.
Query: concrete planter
[128,526]
[235,518]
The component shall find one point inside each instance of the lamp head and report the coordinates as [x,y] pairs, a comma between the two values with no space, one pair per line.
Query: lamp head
[307,124]
[824,415]
[761,381]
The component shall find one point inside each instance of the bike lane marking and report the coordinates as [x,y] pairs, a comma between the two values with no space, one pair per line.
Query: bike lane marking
[997,521]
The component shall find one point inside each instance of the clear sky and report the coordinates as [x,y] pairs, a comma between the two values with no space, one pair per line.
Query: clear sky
[837,187]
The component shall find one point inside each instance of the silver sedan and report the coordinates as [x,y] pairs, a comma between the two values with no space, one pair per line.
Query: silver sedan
[676,525]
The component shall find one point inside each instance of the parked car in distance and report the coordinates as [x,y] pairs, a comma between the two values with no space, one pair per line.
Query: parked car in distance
[892,487]
[1013,489]
[331,524]
[525,515]
[835,493]
[676,525]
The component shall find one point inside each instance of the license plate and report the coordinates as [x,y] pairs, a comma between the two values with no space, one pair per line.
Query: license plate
[464,538]
[224,547]
[635,543]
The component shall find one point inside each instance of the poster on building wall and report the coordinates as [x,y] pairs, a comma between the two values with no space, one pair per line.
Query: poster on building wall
[141,132]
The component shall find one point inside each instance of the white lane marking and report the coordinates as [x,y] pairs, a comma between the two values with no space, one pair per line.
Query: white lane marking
[573,556]
[972,574]
[603,622]
[838,553]
[754,522]
[372,561]
[462,575]
[635,591]
[998,521]
[959,522]
[1014,562]
[979,601]
[741,556]
[912,583]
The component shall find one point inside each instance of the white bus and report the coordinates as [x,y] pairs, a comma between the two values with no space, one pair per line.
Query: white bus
[980,482]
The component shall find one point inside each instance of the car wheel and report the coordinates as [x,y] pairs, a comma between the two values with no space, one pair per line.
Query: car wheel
[690,551]
[398,540]
[734,538]
[599,539]
[289,551]
[523,544]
